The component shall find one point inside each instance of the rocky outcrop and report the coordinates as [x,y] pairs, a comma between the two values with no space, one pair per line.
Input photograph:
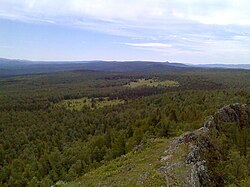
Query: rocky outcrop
[236,114]
[184,163]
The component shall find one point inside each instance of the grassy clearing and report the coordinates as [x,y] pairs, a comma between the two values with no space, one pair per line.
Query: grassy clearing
[152,83]
[85,102]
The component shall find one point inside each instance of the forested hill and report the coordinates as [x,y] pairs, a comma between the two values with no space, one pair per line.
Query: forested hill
[18,67]
[213,155]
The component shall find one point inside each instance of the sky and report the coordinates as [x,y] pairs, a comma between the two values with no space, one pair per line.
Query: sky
[186,31]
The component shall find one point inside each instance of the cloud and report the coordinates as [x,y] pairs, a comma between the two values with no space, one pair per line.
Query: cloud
[196,29]
[156,45]
[134,18]
[222,12]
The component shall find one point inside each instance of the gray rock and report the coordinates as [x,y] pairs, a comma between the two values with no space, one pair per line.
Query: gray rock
[199,142]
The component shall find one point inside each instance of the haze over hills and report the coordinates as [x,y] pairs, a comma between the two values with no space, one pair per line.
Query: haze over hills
[226,66]
[18,67]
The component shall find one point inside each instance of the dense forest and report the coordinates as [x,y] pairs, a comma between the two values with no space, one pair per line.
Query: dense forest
[43,142]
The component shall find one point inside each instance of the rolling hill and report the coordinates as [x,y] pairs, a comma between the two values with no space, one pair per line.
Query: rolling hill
[18,67]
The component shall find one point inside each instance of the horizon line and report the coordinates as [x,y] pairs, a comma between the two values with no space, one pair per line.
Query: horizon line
[95,60]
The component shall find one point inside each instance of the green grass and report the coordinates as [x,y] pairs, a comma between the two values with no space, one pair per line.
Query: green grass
[133,169]
[136,168]
[93,103]
[152,83]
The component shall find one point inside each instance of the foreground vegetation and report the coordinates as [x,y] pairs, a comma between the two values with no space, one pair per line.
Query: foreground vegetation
[137,168]
[42,143]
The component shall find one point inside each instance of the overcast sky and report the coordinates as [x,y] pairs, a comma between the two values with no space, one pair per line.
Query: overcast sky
[188,31]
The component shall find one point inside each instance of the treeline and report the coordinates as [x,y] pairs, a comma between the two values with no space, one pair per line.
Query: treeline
[34,92]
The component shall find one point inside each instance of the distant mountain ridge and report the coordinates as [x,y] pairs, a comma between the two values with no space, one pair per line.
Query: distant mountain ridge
[19,67]
[224,66]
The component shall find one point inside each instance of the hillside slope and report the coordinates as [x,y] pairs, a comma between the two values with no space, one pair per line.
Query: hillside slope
[198,158]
